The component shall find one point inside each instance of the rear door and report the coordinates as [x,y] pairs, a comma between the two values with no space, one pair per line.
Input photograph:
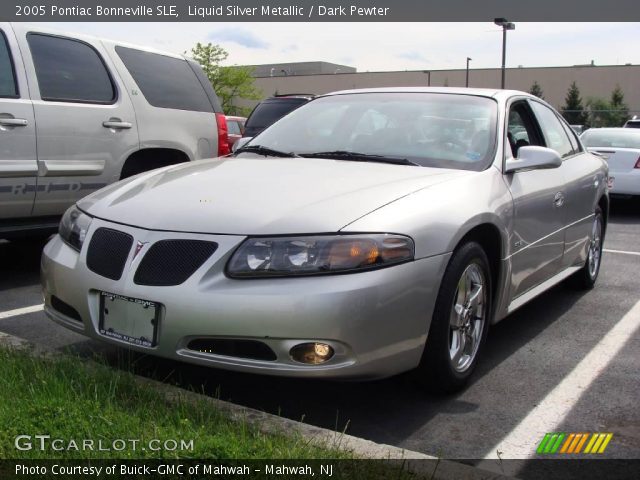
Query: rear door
[86,125]
[18,159]
[583,180]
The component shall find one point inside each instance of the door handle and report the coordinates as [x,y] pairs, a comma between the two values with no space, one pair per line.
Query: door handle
[558,200]
[116,124]
[13,122]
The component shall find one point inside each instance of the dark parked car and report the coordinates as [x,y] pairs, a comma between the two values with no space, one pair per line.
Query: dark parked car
[271,109]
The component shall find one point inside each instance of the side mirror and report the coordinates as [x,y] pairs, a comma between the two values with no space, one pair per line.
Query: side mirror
[241,142]
[532,157]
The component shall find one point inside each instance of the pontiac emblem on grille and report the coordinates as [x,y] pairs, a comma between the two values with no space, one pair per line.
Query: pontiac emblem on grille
[139,246]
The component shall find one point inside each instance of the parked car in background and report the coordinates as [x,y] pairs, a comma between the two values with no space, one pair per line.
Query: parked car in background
[272,109]
[621,148]
[98,111]
[235,128]
[344,241]
[633,123]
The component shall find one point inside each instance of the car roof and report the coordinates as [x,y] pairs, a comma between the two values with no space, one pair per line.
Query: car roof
[45,29]
[482,92]
[613,129]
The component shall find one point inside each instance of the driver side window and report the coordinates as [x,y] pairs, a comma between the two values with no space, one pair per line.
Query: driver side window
[521,130]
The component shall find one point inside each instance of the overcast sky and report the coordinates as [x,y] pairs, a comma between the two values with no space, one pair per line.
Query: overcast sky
[388,46]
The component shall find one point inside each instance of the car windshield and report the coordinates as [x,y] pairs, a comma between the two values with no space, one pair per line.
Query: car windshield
[426,129]
[611,138]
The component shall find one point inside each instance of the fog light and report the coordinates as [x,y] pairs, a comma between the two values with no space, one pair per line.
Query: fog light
[311,353]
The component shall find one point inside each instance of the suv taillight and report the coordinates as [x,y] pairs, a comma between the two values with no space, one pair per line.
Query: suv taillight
[223,135]
[637,165]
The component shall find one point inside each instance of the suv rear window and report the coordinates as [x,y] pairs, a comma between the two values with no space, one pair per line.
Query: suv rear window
[267,112]
[69,70]
[165,82]
[7,78]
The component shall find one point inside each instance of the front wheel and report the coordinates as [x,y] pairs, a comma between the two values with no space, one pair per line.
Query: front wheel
[460,321]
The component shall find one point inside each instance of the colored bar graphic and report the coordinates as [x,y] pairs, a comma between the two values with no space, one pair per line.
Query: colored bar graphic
[567,442]
[582,440]
[572,443]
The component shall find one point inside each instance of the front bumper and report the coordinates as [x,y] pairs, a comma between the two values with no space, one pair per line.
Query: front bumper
[376,321]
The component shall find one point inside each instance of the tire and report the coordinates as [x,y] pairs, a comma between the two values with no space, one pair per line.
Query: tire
[585,278]
[445,368]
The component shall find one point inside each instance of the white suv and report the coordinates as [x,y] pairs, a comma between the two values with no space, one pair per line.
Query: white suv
[78,113]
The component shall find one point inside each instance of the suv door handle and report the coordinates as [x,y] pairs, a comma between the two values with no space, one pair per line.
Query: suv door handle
[558,200]
[116,124]
[13,122]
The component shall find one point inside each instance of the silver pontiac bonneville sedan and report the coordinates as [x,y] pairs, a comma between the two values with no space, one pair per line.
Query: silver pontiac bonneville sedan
[367,233]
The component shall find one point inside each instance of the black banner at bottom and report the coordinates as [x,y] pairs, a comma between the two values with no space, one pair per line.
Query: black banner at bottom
[561,469]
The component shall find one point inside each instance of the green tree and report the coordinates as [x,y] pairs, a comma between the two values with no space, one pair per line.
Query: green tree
[573,110]
[620,113]
[230,83]
[536,90]
[599,112]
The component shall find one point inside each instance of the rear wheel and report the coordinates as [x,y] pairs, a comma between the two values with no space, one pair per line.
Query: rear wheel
[460,321]
[587,276]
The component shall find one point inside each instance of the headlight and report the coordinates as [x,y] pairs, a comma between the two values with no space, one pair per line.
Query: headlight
[314,255]
[73,227]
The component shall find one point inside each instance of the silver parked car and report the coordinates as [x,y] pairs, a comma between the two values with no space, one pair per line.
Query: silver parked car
[367,233]
[620,147]
[97,111]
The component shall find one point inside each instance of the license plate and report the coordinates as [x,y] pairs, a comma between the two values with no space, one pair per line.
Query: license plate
[130,320]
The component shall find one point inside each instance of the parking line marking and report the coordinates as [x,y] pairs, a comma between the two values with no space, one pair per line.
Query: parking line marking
[624,252]
[549,413]
[21,311]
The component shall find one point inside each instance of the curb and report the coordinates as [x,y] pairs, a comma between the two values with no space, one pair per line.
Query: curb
[434,469]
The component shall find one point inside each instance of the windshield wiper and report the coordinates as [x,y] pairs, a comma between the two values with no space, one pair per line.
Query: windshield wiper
[359,157]
[266,151]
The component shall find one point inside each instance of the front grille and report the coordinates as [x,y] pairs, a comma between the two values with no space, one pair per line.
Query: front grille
[108,252]
[251,349]
[172,262]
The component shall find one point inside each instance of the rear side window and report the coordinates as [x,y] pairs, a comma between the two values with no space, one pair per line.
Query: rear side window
[8,86]
[70,71]
[165,82]
[553,131]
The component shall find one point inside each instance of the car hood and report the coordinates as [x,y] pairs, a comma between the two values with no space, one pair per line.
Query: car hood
[259,196]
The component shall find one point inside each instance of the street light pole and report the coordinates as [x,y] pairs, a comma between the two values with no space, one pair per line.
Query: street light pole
[428,77]
[502,22]
[466,84]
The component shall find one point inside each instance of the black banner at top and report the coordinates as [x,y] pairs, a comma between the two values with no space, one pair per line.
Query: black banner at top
[318,10]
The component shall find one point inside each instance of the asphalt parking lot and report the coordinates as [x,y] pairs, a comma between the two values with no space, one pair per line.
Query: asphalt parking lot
[567,362]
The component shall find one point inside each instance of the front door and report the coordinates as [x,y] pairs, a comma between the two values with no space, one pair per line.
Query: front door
[539,208]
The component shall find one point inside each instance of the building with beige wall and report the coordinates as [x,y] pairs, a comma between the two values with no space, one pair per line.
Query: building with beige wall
[593,81]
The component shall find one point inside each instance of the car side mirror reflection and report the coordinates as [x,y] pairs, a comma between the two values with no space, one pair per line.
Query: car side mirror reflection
[241,142]
[532,157]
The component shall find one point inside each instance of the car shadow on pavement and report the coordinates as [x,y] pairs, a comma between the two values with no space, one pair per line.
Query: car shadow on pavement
[20,262]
